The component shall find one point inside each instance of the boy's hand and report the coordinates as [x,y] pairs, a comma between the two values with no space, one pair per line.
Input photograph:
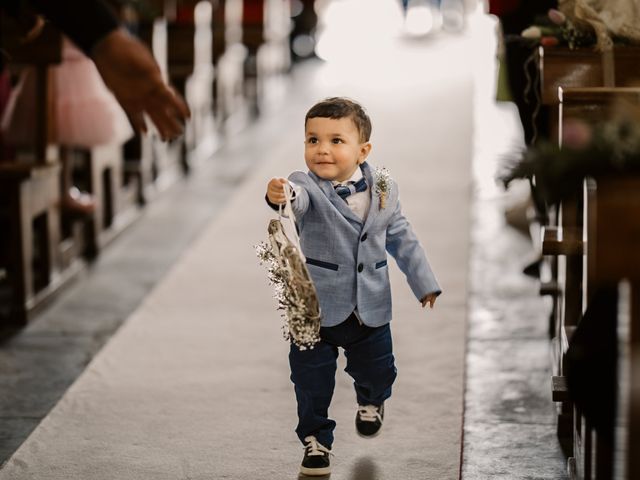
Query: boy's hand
[275,190]
[430,299]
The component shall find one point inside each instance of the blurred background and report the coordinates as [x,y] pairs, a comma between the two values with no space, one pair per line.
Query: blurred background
[511,127]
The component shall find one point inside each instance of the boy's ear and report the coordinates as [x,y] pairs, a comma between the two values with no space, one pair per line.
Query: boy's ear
[365,149]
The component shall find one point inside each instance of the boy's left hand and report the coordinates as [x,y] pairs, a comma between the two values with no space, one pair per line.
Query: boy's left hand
[430,299]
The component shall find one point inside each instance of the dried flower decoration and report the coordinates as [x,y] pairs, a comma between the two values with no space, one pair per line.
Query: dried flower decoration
[605,148]
[293,288]
[555,29]
[382,184]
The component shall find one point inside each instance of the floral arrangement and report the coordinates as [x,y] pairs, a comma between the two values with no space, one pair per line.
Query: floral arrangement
[606,148]
[382,185]
[294,290]
[557,29]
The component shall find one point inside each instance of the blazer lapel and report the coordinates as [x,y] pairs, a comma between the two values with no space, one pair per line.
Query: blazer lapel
[327,187]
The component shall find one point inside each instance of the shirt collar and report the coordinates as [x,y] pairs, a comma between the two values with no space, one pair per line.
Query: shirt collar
[357,175]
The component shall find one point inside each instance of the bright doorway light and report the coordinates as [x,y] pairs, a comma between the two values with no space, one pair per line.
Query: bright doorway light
[419,19]
[357,30]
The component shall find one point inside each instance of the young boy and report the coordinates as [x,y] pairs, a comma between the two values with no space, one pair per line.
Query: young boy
[346,228]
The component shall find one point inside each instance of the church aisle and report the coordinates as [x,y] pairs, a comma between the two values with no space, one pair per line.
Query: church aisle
[195,384]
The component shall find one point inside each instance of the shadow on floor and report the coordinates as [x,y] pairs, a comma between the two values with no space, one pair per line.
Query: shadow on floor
[364,469]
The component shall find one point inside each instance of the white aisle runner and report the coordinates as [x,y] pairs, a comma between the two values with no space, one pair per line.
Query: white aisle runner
[195,384]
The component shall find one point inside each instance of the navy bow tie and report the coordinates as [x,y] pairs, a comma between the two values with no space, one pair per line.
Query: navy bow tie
[352,187]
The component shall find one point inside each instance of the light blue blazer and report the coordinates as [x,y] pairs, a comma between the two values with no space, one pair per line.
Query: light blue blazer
[347,259]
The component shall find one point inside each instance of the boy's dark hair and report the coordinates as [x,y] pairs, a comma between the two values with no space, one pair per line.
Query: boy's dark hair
[341,107]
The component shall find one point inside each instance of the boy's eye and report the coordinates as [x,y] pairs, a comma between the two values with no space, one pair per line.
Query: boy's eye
[312,140]
[337,140]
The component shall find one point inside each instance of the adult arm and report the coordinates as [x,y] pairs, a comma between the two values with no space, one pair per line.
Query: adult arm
[131,73]
[84,21]
[125,64]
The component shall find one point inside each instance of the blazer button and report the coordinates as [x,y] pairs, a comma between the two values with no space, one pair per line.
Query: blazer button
[364,237]
[360,267]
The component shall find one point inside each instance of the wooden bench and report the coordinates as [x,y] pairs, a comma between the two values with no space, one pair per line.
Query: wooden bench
[30,220]
[156,165]
[180,65]
[305,20]
[191,71]
[567,242]
[583,68]
[35,259]
[101,171]
[230,55]
[613,229]
[265,33]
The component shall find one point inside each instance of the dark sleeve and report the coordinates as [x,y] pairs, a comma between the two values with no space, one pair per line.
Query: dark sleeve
[83,21]
[272,205]
[275,206]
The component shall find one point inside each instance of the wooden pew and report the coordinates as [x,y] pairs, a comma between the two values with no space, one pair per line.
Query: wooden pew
[230,55]
[568,241]
[154,164]
[253,37]
[265,33]
[180,60]
[191,71]
[626,463]
[583,68]
[35,262]
[613,229]
[301,38]
[101,171]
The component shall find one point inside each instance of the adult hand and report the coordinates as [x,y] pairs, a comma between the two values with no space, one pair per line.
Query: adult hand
[430,299]
[132,74]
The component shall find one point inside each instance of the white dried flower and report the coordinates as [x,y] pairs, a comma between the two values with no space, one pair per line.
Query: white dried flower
[533,33]
[292,291]
[382,185]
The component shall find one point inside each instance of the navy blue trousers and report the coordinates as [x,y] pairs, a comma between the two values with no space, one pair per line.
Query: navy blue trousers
[370,363]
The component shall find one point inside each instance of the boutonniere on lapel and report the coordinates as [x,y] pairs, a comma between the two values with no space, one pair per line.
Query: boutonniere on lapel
[382,185]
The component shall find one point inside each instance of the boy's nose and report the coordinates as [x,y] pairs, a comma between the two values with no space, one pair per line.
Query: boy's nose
[323,147]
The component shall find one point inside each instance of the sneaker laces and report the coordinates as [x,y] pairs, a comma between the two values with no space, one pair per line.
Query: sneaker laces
[369,413]
[315,448]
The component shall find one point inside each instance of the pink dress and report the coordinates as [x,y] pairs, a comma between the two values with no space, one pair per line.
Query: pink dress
[86,112]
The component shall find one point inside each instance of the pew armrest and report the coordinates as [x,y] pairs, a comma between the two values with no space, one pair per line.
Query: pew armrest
[559,390]
[562,241]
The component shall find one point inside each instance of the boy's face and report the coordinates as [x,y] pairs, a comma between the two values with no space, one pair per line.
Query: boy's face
[333,149]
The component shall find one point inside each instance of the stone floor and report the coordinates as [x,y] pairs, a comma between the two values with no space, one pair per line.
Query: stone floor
[509,424]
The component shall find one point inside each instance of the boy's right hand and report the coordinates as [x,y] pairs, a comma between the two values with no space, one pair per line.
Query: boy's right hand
[275,190]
